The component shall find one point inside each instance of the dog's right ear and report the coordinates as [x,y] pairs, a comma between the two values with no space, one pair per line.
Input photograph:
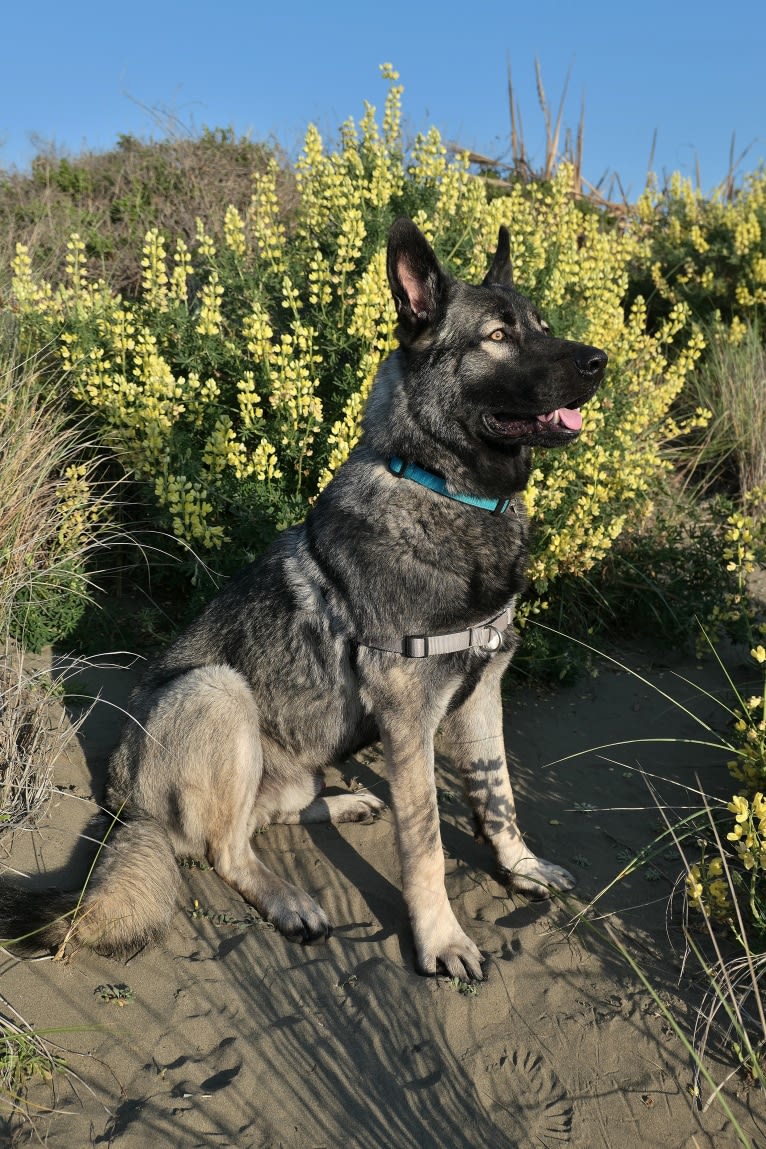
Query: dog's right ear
[500,273]
[417,281]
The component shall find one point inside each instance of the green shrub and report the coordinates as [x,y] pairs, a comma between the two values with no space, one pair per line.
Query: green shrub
[111,198]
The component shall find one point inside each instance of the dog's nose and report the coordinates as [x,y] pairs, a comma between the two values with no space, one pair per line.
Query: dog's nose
[590,362]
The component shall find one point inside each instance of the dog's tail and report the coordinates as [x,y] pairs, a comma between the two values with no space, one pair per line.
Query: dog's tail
[127,902]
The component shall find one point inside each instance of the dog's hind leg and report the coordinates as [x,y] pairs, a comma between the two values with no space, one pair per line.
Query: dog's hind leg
[474,736]
[290,909]
[200,772]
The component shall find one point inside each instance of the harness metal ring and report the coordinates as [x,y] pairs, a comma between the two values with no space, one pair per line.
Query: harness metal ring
[493,641]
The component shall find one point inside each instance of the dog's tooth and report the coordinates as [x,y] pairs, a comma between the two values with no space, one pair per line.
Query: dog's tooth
[556,417]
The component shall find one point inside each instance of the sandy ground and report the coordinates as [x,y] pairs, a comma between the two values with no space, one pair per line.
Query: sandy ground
[236,1037]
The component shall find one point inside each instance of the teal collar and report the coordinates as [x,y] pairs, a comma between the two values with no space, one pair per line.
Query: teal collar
[436,483]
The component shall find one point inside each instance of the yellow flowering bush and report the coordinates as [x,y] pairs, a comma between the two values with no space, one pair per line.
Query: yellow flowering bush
[706,251]
[234,382]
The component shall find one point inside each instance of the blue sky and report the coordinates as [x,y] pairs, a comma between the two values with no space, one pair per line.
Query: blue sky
[80,74]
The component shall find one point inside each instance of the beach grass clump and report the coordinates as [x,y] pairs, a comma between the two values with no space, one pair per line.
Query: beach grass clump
[53,521]
[52,511]
[27,749]
[730,382]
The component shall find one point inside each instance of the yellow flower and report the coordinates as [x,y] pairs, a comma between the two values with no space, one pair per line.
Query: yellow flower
[719,891]
[740,807]
[759,653]
[759,806]
[694,886]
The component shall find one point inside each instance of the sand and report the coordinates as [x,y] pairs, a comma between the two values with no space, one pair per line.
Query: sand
[236,1037]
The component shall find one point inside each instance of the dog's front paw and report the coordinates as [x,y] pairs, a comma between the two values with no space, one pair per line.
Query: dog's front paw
[535,877]
[446,948]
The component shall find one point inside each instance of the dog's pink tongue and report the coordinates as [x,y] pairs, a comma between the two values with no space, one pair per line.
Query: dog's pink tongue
[571,419]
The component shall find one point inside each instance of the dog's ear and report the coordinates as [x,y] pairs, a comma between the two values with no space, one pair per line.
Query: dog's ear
[417,281]
[500,273]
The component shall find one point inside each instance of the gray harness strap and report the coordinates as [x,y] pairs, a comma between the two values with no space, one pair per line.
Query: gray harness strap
[487,636]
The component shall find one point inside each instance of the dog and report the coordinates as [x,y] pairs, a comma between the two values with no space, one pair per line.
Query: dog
[387,614]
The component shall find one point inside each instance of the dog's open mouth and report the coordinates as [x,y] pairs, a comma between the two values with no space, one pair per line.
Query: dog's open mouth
[564,421]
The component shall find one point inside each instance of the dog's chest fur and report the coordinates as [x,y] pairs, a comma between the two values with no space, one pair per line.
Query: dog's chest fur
[403,557]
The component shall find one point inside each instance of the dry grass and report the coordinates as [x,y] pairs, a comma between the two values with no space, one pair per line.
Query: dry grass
[35,729]
[27,750]
[50,525]
[36,447]
[731,382]
[48,536]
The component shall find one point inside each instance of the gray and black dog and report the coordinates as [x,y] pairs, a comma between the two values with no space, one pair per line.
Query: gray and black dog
[386,615]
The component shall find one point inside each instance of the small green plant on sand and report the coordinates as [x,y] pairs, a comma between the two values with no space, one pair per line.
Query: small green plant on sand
[465,988]
[24,1056]
[120,993]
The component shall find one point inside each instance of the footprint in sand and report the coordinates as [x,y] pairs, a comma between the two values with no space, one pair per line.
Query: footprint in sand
[524,1095]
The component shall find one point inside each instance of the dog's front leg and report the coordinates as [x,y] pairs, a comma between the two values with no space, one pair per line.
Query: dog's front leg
[474,736]
[440,943]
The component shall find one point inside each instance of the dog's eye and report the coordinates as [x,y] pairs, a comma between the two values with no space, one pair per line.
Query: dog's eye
[545,327]
[498,335]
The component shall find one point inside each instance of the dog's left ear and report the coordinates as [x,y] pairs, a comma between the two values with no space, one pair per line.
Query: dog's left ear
[500,273]
[417,281]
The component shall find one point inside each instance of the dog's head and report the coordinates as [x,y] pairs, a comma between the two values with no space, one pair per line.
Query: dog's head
[519,385]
